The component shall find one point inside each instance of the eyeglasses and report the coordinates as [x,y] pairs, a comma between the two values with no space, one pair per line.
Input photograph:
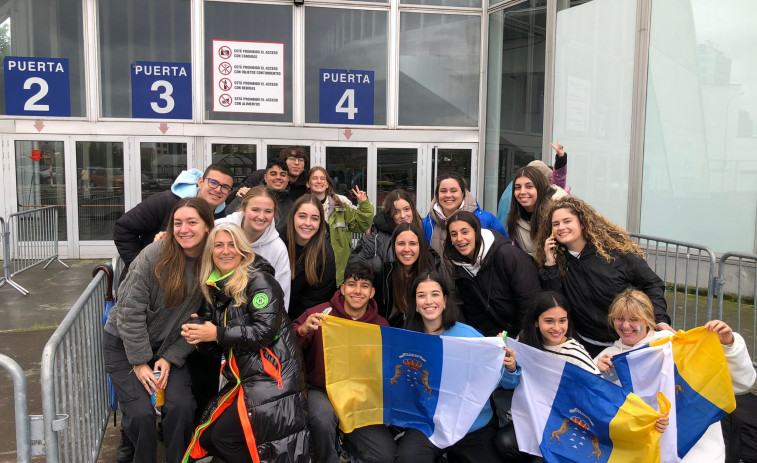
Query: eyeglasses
[630,321]
[297,160]
[214,184]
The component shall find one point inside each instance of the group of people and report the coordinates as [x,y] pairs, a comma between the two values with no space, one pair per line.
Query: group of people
[246,293]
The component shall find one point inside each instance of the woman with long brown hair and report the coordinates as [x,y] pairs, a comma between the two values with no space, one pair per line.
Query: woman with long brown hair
[143,333]
[590,260]
[311,258]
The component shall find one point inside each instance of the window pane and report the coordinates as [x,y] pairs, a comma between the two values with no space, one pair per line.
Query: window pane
[347,167]
[452,160]
[458,3]
[700,140]
[45,29]
[241,159]
[160,164]
[254,23]
[101,198]
[594,58]
[41,178]
[439,69]
[515,94]
[345,39]
[396,168]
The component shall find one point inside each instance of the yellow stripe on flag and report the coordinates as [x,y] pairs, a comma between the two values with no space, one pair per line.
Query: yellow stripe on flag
[633,433]
[352,353]
[701,362]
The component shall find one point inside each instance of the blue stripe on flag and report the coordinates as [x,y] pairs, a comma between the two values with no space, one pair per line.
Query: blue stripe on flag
[412,364]
[695,413]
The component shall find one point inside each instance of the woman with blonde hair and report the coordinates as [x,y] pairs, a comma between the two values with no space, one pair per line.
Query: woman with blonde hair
[260,414]
[343,217]
[590,260]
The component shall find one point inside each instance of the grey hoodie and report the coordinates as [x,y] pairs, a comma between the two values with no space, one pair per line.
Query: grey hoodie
[272,248]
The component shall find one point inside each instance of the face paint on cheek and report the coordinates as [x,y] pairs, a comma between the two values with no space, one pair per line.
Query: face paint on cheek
[641,328]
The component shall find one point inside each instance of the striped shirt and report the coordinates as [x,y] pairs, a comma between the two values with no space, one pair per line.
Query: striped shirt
[573,352]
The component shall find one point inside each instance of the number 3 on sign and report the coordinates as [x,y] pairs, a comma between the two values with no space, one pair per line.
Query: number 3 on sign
[165,96]
[348,97]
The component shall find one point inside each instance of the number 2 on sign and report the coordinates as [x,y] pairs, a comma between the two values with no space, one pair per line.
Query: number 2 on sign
[31,103]
[349,98]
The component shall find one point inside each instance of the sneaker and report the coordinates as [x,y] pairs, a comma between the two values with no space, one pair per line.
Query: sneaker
[125,450]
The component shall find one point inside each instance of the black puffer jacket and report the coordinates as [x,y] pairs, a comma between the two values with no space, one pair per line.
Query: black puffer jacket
[590,284]
[277,411]
[498,296]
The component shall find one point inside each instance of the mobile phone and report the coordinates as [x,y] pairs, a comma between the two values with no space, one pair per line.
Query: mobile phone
[326,311]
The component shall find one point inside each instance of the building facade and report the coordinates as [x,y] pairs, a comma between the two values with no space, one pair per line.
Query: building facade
[105,101]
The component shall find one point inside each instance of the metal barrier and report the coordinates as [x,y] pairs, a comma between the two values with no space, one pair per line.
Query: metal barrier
[34,242]
[690,269]
[23,426]
[75,404]
[742,261]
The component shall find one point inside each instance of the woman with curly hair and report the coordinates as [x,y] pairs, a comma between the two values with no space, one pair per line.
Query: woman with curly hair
[590,260]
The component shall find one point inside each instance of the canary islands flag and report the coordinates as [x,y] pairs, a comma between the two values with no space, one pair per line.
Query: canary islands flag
[689,365]
[567,414]
[435,384]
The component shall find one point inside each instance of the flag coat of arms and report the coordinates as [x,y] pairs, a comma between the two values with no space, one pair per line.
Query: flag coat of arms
[692,367]
[435,384]
[567,414]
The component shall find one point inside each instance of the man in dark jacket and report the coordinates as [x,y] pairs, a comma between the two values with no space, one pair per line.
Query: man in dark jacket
[296,160]
[353,301]
[137,228]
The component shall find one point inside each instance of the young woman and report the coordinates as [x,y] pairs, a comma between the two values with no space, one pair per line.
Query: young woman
[257,216]
[261,413]
[546,326]
[494,282]
[531,197]
[450,196]
[311,259]
[430,314]
[632,316]
[408,257]
[143,332]
[343,218]
[591,260]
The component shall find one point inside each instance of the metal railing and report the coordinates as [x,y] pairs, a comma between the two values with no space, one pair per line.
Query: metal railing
[689,270]
[23,421]
[75,404]
[739,263]
[30,238]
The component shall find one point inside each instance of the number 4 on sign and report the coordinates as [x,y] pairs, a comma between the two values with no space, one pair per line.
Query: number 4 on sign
[349,98]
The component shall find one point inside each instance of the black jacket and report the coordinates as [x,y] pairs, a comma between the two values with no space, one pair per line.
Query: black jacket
[590,284]
[277,412]
[137,228]
[302,295]
[497,298]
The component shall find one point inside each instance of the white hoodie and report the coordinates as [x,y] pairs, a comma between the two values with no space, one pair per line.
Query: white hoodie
[272,248]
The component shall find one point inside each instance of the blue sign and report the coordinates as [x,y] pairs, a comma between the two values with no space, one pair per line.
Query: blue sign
[161,90]
[346,97]
[36,86]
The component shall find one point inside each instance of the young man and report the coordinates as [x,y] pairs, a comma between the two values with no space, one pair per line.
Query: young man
[296,159]
[137,228]
[353,301]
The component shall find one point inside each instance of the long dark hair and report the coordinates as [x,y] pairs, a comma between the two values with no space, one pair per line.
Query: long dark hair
[414,320]
[315,247]
[170,267]
[543,301]
[424,263]
[450,251]
[544,192]
[390,210]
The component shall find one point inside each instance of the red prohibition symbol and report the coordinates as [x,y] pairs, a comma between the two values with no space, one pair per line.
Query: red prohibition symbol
[225,100]
[225,84]
[224,52]
[224,68]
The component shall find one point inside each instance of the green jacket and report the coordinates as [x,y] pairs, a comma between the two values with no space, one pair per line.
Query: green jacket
[343,221]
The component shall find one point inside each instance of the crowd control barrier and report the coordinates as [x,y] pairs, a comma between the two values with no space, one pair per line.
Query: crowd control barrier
[29,238]
[23,421]
[739,263]
[75,401]
[690,270]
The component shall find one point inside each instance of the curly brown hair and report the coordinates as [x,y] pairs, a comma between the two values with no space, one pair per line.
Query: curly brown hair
[608,239]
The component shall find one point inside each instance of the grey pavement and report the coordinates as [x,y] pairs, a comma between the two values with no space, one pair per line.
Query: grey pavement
[26,323]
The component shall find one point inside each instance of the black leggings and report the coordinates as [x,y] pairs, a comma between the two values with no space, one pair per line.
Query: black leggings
[224,438]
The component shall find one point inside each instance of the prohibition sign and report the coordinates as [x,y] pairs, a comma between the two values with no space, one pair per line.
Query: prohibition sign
[224,52]
[225,100]
[225,84]
[224,68]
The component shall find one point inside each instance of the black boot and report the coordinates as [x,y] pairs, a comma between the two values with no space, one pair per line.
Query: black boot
[125,450]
